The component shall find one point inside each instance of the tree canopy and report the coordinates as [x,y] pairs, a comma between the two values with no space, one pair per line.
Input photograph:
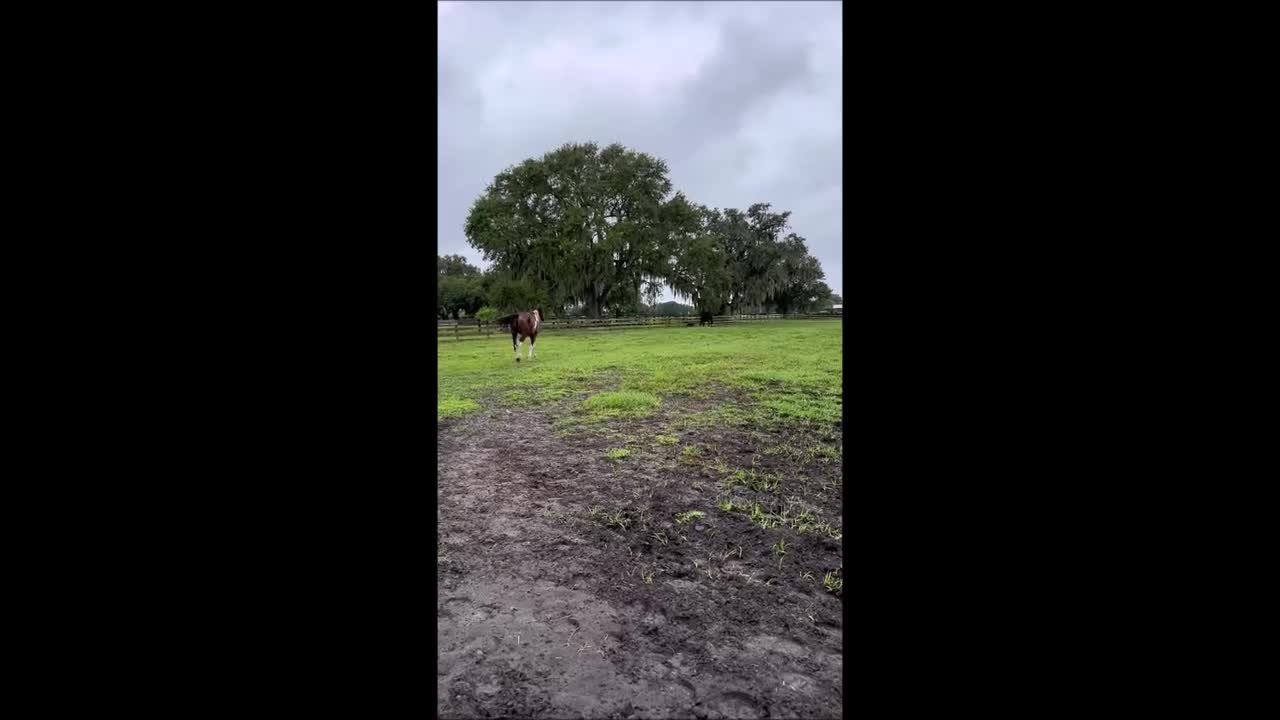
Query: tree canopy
[603,229]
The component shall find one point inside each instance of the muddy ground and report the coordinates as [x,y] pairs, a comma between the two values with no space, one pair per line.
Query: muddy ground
[567,588]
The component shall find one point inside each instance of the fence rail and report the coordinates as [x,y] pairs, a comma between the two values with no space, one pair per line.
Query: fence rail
[470,328]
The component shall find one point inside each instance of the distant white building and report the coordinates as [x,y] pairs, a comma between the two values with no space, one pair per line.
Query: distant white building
[838,308]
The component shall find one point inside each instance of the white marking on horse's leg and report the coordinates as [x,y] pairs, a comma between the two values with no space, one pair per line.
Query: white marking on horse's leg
[531,344]
[517,343]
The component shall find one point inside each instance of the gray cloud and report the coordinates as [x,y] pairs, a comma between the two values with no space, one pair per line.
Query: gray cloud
[743,101]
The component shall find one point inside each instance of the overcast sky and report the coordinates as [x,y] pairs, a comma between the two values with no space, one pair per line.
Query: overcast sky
[742,100]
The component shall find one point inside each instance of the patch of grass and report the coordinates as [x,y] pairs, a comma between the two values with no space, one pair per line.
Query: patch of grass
[528,397]
[685,517]
[755,480]
[725,504]
[618,519]
[791,369]
[800,406]
[617,454]
[689,454]
[833,583]
[805,454]
[825,453]
[666,439]
[831,531]
[763,519]
[556,517]
[729,550]
[455,407]
[623,402]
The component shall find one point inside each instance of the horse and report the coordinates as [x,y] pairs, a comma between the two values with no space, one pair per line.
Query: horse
[707,319]
[524,325]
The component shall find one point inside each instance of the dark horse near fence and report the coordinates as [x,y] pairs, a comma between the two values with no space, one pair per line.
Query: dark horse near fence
[524,325]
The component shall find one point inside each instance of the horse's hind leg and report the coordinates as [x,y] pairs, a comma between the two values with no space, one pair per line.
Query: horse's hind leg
[532,341]
[515,345]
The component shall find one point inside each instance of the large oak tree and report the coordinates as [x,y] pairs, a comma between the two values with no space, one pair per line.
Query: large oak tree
[585,223]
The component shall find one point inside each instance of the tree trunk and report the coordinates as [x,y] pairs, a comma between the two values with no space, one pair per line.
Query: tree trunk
[594,301]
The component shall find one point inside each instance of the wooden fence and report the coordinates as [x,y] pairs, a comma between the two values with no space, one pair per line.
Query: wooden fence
[469,328]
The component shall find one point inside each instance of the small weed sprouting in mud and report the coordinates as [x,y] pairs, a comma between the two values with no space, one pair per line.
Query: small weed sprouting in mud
[557,517]
[666,439]
[620,519]
[647,575]
[442,554]
[690,454]
[832,583]
[763,519]
[806,575]
[780,549]
[685,517]
[617,519]
[725,505]
[661,537]
[617,454]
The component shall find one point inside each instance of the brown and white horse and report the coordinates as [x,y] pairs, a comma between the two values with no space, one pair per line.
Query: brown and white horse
[524,325]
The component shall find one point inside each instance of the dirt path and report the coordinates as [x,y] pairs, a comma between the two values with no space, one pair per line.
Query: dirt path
[549,610]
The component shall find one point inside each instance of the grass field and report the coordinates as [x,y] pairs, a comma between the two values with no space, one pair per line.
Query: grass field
[642,523]
[792,368]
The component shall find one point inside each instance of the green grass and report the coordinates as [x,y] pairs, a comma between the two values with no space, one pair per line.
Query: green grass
[626,403]
[617,454]
[753,479]
[833,583]
[453,407]
[805,454]
[685,517]
[789,369]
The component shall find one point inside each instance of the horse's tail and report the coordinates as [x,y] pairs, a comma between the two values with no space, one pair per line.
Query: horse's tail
[506,321]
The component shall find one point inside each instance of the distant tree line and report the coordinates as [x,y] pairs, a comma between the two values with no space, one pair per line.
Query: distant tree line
[598,232]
